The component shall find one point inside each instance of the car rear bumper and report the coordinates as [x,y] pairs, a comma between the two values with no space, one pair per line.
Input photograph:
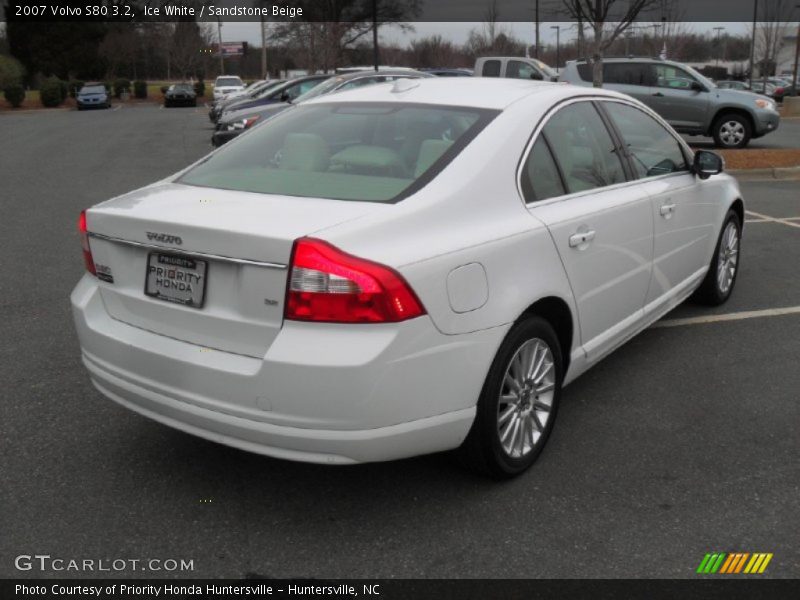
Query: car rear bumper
[330,394]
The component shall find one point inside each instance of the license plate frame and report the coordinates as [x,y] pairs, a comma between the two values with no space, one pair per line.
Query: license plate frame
[188,267]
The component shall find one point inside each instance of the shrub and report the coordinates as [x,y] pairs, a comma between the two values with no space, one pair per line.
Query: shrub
[50,92]
[15,94]
[121,85]
[109,87]
[140,89]
[164,89]
[11,71]
[74,87]
[200,88]
[64,87]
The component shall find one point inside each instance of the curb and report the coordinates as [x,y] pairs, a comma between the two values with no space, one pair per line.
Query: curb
[774,173]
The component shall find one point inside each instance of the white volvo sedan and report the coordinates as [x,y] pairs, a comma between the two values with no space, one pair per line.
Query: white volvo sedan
[403,269]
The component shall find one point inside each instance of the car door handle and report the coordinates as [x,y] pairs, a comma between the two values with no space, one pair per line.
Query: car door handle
[578,239]
[658,95]
[667,209]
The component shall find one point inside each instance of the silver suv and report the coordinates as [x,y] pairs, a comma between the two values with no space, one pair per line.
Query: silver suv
[690,103]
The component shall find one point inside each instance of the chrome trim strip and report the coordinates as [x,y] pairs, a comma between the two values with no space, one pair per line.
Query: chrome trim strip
[202,255]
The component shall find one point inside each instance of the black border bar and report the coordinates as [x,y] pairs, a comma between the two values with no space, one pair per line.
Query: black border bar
[409,11]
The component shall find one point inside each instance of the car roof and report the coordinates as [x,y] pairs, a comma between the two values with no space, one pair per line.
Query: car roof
[477,92]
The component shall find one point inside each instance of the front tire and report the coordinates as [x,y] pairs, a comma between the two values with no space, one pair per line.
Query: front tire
[721,277]
[518,404]
[732,131]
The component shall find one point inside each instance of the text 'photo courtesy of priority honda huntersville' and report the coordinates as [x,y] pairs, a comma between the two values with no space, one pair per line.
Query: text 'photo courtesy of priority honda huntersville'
[402,269]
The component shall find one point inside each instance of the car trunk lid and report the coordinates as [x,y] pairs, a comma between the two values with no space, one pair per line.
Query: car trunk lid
[236,246]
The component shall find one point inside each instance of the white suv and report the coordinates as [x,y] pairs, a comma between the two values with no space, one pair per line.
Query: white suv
[226,84]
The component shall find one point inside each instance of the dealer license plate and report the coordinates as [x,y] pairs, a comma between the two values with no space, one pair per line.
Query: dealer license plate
[175,278]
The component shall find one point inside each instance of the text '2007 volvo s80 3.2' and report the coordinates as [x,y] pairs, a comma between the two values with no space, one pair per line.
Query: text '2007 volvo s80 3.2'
[403,269]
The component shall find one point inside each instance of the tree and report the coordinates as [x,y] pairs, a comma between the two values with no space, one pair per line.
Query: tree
[329,27]
[770,31]
[607,19]
[188,40]
[120,48]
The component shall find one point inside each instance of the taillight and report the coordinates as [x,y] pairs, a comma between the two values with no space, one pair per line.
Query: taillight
[87,251]
[328,285]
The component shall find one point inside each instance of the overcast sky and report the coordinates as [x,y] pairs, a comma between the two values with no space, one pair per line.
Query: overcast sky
[458,32]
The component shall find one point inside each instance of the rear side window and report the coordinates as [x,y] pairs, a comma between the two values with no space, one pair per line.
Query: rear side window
[627,74]
[541,179]
[491,68]
[375,152]
[584,148]
[654,151]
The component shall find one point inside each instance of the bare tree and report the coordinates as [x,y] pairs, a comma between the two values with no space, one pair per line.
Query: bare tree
[333,26]
[608,20]
[490,23]
[770,31]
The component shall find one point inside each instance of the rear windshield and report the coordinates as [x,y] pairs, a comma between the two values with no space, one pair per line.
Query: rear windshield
[222,81]
[93,89]
[375,152]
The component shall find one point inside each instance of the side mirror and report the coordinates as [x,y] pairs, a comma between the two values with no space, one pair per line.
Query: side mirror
[707,164]
[697,87]
[285,97]
[537,76]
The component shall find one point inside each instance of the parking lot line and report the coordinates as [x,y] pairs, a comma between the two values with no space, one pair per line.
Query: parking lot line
[773,219]
[737,316]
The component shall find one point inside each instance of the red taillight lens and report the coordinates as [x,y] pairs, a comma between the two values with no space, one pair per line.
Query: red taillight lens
[328,285]
[87,252]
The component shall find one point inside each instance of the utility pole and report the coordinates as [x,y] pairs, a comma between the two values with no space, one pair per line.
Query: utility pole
[558,46]
[263,48]
[536,47]
[719,30]
[375,52]
[221,56]
[753,42]
[796,58]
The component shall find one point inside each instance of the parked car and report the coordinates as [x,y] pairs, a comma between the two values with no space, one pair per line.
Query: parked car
[227,84]
[742,86]
[218,107]
[238,122]
[688,101]
[285,92]
[180,94]
[402,269]
[449,72]
[514,67]
[93,95]
[769,89]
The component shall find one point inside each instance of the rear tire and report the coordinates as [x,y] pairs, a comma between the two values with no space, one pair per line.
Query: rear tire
[518,404]
[732,131]
[724,268]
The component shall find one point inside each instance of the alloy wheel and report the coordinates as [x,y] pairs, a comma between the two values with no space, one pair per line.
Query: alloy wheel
[728,258]
[732,133]
[526,398]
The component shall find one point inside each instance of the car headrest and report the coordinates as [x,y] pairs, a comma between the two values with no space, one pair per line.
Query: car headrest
[305,152]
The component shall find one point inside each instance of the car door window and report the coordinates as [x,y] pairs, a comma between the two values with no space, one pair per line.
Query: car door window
[540,178]
[517,69]
[491,68]
[584,148]
[627,74]
[654,151]
[673,78]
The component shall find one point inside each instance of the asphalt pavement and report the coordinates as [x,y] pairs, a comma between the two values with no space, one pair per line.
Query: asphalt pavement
[683,442]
